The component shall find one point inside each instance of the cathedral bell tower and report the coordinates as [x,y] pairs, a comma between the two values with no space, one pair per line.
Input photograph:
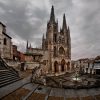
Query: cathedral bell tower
[51,37]
[58,45]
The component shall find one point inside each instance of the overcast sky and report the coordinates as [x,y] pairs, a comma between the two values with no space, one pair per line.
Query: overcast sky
[27,19]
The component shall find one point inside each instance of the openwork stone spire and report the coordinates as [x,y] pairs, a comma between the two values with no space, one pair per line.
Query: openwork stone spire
[27,45]
[52,15]
[64,26]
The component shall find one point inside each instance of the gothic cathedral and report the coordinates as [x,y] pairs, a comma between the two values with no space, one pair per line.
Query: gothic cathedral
[55,55]
[58,45]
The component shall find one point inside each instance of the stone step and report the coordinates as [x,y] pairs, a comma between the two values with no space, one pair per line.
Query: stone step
[8,79]
[7,75]
[5,78]
[2,68]
[9,82]
[2,64]
[7,72]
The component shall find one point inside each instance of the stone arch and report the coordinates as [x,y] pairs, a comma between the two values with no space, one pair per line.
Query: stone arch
[68,66]
[56,67]
[62,65]
[61,51]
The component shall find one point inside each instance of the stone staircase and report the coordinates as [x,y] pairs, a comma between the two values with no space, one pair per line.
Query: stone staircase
[8,74]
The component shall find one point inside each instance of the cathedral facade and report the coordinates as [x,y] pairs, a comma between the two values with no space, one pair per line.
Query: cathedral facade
[56,47]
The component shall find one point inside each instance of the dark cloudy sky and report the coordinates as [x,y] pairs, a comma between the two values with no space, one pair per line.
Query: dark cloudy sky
[26,20]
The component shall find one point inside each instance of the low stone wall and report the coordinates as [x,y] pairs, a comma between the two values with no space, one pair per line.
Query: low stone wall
[14,64]
[31,65]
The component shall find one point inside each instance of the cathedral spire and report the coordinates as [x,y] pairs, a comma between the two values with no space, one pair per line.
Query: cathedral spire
[64,26]
[52,15]
[27,46]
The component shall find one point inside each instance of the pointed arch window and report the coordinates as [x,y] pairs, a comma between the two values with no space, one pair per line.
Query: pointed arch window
[61,51]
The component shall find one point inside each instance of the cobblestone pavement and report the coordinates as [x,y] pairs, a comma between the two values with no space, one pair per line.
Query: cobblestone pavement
[40,92]
[12,87]
[24,90]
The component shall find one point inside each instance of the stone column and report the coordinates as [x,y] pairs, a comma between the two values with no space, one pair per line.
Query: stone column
[66,67]
[59,65]
[70,67]
[53,71]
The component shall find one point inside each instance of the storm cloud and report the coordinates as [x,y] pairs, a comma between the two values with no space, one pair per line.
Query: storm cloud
[27,19]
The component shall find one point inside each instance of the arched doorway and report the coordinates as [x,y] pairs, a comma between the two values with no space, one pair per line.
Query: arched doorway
[68,66]
[56,68]
[62,65]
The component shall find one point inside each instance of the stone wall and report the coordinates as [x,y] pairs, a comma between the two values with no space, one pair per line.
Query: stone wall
[5,43]
[31,65]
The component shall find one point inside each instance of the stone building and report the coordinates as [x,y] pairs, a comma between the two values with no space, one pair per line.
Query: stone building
[56,46]
[35,57]
[89,65]
[5,43]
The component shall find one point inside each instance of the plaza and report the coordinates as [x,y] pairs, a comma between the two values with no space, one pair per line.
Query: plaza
[47,72]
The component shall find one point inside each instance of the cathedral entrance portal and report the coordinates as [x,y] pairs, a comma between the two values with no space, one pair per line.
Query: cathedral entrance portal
[62,65]
[56,67]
